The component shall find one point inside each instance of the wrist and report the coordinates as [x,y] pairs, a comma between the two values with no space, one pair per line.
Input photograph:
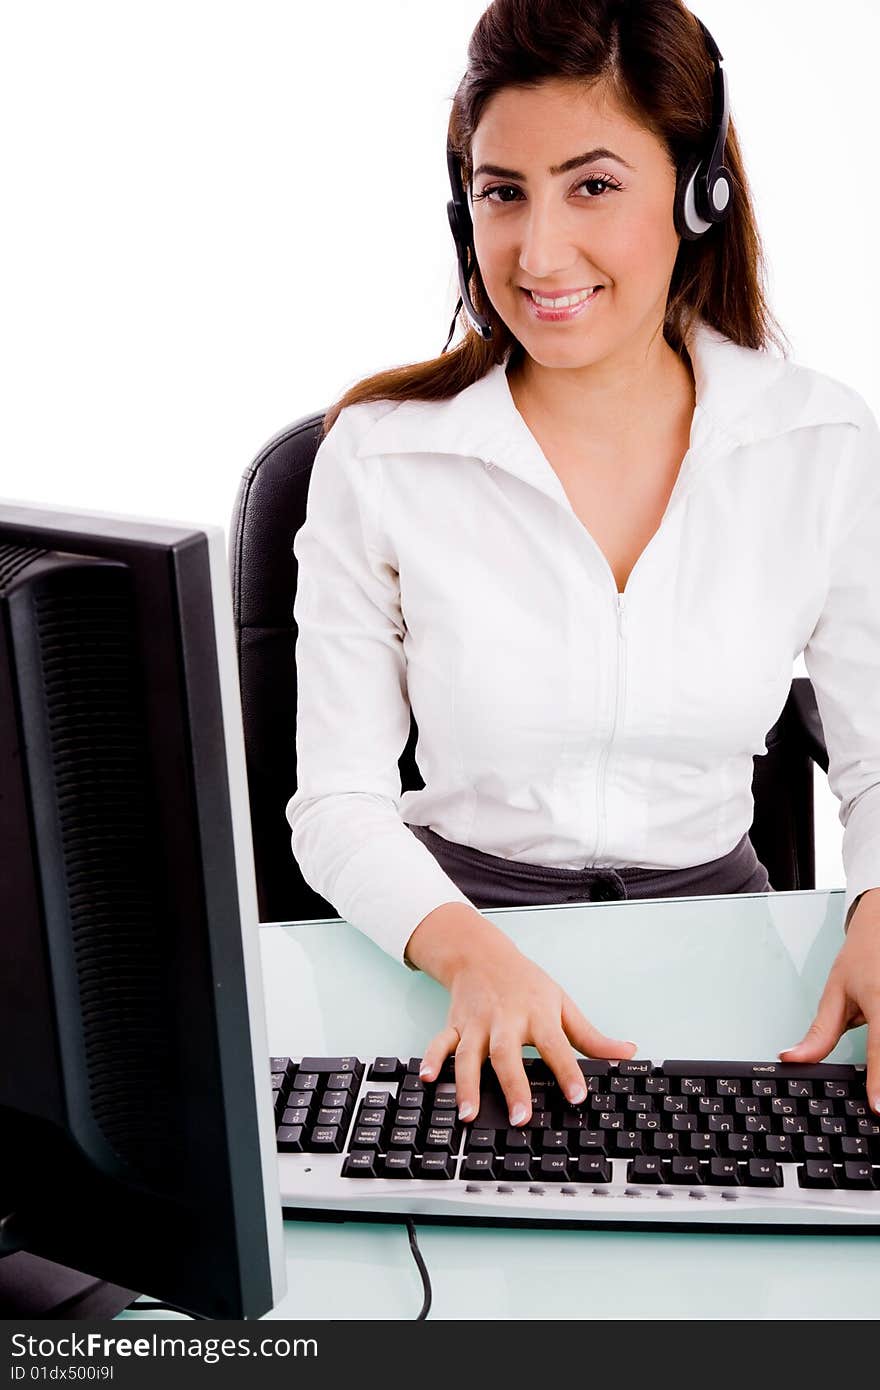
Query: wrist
[866,907]
[452,937]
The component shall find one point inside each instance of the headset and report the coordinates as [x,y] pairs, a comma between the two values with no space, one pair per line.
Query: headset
[703,194]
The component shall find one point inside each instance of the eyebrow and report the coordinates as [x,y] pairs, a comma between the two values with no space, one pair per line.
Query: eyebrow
[574,163]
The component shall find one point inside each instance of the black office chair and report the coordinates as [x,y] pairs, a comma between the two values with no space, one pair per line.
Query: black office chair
[270,508]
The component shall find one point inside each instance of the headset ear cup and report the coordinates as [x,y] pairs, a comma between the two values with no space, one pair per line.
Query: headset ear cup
[688,222]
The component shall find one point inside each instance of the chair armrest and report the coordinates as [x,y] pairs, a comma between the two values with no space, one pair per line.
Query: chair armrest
[806,725]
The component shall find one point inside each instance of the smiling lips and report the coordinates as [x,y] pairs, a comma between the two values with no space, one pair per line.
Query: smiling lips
[560,308]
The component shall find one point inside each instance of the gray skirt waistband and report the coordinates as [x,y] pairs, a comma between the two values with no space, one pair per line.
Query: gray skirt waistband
[492,881]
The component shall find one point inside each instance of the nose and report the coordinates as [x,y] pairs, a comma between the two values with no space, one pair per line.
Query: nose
[547,247]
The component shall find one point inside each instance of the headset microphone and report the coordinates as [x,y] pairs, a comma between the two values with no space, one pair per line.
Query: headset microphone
[462,227]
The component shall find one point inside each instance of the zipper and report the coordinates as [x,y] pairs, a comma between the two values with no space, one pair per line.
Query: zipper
[619,698]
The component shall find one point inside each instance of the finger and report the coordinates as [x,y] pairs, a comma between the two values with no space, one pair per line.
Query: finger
[587,1038]
[505,1054]
[469,1057]
[559,1055]
[873,1060]
[825,1030]
[437,1051]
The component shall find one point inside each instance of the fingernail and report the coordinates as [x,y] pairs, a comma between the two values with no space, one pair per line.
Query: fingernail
[518,1114]
[794,1048]
[467,1111]
[876,1104]
[577,1094]
[426,1074]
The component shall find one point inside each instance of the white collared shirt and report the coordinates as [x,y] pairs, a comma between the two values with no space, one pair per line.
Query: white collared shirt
[442,567]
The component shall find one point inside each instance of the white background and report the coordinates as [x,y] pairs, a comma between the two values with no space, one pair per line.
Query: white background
[219,216]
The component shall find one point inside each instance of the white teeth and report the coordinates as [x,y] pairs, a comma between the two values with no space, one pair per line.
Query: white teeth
[565,302]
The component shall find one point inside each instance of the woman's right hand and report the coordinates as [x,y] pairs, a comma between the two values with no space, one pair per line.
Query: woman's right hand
[500,1000]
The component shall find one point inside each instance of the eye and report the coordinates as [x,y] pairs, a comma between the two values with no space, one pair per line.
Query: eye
[603,182]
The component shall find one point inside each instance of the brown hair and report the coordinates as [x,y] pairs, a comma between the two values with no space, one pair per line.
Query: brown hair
[653,58]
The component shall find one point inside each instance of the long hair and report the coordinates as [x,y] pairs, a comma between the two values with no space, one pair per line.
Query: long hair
[653,59]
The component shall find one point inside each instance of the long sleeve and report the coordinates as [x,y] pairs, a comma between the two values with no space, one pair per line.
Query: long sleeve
[842,656]
[348,836]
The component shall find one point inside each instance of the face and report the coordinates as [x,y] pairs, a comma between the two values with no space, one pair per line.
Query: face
[606,221]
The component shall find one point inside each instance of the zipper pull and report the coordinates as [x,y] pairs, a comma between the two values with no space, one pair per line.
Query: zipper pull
[621,599]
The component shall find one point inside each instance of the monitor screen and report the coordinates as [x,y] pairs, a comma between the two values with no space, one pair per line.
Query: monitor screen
[136,1122]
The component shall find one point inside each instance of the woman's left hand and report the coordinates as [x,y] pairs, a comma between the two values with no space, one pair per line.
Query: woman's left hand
[851,996]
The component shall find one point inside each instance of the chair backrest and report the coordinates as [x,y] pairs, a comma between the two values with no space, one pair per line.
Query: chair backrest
[269,510]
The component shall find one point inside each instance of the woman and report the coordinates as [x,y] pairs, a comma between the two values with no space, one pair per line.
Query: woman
[585,551]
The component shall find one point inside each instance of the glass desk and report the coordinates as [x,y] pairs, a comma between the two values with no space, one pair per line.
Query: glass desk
[715,977]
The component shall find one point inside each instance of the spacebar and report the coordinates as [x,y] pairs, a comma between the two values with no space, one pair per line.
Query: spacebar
[791,1071]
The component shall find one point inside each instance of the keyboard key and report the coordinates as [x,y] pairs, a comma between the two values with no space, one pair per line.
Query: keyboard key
[482,1141]
[693,1086]
[700,1145]
[327,1117]
[398,1163]
[370,1116]
[306,1081]
[627,1142]
[363,1164]
[663,1144]
[816,1146]
[554,1140]
[857,1173]
[335,1100]
[553,1168]
[784,1071]
[591,1168]
[592,1066]
[634,1068]
[516,1167]
[592,1142]
[478,1165]
[366,1137]
[443,1119]
[289,1139]
[799,1089]
[780,1147]
[295,1115]
[385,1069]
[375,1100]
[762,1172]
[403,1137]
[325,1139]
[849,1148]
[441,1137]
[737,1145]
[437,1165]
[646,1168]
[411,1083]
[328,1064]
[279,1065]
[723,1171]
[685,1170]
[518,1141]
[340,1081]
[817,1172]
[656,1086]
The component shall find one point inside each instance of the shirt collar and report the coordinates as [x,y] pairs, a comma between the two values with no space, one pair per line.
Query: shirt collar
[742,395]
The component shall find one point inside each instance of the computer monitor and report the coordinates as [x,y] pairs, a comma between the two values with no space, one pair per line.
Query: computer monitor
[136,1123]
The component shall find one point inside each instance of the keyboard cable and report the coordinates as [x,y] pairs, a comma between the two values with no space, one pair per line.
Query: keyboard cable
[422,1268]
[416,1253]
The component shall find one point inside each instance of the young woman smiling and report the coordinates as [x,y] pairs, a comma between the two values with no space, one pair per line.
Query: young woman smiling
[585,553]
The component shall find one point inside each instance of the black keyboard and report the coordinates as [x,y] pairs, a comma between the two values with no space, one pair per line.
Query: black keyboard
[764,1143]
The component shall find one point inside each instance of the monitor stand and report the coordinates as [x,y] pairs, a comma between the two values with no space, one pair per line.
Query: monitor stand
[34,1288]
